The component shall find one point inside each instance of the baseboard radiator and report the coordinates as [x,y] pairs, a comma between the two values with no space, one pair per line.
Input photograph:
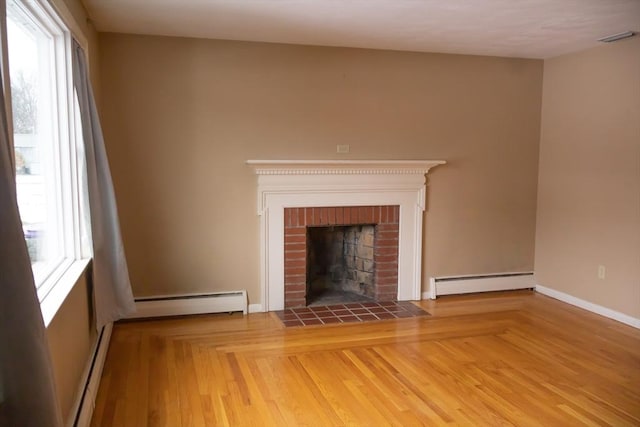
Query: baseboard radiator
[452,285]
[82,409]
[180,305]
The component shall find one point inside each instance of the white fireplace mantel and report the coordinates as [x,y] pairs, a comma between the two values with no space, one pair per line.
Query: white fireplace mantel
[317,183]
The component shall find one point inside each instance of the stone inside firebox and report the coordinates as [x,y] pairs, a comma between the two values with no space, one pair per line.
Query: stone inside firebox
[340,264]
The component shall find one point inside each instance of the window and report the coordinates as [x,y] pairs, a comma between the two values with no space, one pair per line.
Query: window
[45,136]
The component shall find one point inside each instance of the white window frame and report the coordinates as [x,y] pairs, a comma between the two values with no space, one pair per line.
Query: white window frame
[66,133]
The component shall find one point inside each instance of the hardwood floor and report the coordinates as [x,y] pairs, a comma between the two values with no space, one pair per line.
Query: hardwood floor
[513,358]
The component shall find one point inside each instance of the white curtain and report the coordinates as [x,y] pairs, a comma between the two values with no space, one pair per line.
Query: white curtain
[111,287]
[27,388]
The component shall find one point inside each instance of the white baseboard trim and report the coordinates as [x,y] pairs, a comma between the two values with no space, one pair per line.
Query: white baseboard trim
[589,306]
[180,305]
[255,308]
[86,399]
[486,283]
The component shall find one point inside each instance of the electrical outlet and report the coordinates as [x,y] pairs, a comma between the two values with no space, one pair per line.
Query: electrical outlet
[601,271]
[342,149]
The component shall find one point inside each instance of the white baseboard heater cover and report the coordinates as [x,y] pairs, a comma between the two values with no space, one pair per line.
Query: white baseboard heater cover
[180,305]
[82,409]
[480,283]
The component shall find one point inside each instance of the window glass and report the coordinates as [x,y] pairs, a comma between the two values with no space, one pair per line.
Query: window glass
[37,154]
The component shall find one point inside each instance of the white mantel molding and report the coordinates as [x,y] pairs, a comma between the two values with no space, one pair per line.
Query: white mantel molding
[342,167]
[317,183]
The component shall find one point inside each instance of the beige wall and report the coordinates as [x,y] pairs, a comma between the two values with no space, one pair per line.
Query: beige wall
[70,334]
[589,185]
[181,116]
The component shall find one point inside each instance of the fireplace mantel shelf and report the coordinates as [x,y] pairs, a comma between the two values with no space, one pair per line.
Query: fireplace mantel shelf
[342,167]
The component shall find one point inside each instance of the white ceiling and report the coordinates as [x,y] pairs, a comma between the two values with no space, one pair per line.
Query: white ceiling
[513,28]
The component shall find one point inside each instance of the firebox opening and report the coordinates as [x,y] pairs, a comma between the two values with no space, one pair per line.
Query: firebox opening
[340,264]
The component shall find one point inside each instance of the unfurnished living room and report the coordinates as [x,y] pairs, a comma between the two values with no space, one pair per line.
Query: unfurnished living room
[320,213]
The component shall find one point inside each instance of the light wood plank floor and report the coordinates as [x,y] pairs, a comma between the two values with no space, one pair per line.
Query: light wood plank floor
[513,358]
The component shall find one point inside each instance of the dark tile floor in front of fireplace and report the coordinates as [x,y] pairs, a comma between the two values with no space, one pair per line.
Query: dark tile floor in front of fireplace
[351,312]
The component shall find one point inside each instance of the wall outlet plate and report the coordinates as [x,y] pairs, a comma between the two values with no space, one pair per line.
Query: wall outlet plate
[343,149]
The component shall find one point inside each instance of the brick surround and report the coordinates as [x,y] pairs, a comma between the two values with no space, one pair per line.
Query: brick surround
[296,220]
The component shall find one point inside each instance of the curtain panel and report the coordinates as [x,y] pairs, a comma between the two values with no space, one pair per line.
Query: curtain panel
[111,287]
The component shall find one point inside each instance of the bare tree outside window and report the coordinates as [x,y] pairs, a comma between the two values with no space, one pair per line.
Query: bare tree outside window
[24,104]
[24,101]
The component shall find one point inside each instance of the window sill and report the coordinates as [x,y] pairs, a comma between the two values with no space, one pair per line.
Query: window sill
[54,299]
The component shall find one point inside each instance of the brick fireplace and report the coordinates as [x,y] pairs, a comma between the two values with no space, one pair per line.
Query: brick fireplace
[295,194]
[383,269]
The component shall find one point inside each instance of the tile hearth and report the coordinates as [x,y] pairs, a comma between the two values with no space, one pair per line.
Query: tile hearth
[348,313]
